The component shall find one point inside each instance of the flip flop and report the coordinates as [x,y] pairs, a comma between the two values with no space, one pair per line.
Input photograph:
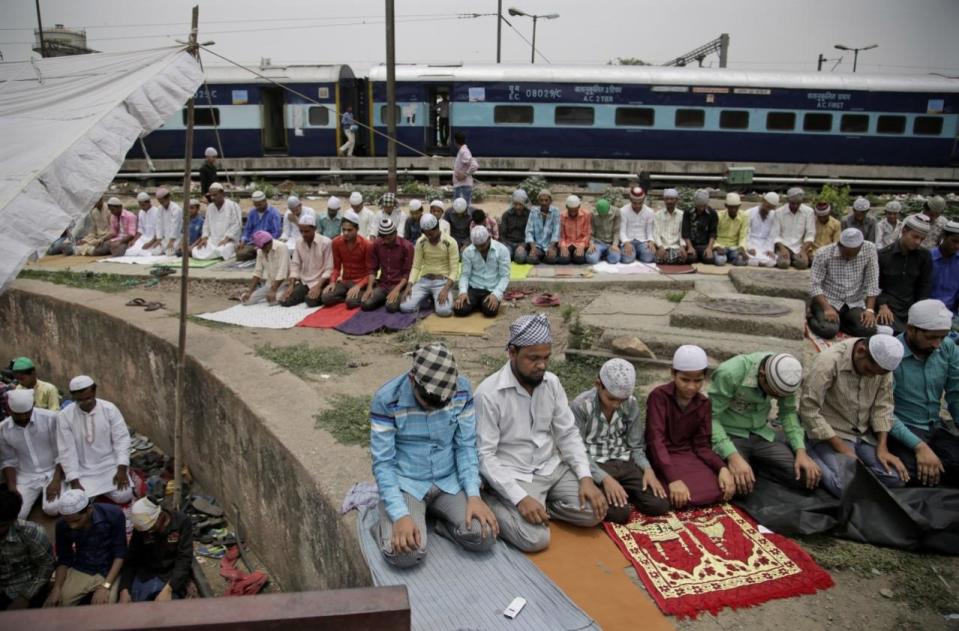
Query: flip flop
[137,302]
[211,552]
[546,300]
[161,271]
[154,306]
[207,507]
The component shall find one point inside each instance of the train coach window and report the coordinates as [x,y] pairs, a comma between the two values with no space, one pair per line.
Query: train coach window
[204,116]
[635,116]
[733,119]
[385,114]
[854,124]
[513,114]
[780,121]
[817,122]
[927,126]
[891,125]
[572,115]
[319,117]
[690,118]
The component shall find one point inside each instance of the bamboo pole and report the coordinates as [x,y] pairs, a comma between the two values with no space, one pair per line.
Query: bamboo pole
[184,286]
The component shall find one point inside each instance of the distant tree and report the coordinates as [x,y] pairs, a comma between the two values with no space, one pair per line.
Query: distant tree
[628,61]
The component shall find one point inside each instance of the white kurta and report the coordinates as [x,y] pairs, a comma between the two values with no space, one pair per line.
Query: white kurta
[368,227]
[763,234]
[290,233]
[32,452]
[219,224]
[170,226]
[148,224]
[93,445]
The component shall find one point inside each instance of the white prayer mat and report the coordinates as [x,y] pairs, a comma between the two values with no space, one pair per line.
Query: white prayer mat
[261,316]
[625,268]
[143,260]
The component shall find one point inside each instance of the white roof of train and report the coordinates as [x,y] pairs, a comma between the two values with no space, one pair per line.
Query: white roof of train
[294,74]
[661,75]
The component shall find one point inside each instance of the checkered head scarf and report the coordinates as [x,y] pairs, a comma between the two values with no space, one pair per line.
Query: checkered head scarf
[434,370]
[530,330]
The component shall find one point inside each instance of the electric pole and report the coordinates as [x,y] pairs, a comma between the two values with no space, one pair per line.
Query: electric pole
[43,46]
[390,98]
[499,29]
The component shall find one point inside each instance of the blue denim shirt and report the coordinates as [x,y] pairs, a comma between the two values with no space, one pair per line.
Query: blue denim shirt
[93,550]
[490,274]
[540,231]
[413,449]
[196,228]
[269,221]
[945,279]
[918,387]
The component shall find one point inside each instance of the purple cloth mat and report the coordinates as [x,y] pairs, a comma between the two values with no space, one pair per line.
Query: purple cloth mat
[366,322]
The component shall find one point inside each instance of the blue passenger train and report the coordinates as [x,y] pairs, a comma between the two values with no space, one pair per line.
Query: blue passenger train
[628,112]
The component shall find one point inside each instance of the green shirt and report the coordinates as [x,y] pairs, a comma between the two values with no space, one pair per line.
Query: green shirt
[732,233]
[741,407]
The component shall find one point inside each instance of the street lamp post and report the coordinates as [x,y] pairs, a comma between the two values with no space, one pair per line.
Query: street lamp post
[549,16]
[855,52]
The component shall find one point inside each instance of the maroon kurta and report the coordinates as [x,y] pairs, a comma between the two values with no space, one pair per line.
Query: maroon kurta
[679,443]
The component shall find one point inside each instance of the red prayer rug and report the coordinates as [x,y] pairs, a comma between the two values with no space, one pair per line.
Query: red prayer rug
[675,269]
[709,558]
[328,317]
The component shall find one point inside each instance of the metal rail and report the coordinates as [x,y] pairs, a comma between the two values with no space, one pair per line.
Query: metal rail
[566,175]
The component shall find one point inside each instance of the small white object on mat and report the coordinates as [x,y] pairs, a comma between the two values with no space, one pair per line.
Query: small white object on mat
[625,268]
[515,607]
[261,316]
[143,260]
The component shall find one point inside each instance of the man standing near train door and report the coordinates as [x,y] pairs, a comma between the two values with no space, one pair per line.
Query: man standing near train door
[349,128]
[464,166]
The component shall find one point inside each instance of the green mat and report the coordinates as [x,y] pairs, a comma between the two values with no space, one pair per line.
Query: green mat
[519,271]
[206,263]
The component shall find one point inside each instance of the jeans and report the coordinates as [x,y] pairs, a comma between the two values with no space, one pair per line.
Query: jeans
[63,245]
[567,255]
[466,192]
[536,254]
[641,251]
[735,256]
[476,298]
[141,591]
[603,249]
[834,477]
[426,288]
[943,444]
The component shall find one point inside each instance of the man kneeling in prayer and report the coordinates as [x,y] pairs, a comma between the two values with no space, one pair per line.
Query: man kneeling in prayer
[91,545]
[28,453]
[530,451]
[272,269]
[612,426]
[160,555]
[94,444]
[847,406]
[423,445]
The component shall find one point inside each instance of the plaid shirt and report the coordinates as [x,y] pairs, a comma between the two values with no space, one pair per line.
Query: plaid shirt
[413,449]
[26,560]
[622,437]
[845,282]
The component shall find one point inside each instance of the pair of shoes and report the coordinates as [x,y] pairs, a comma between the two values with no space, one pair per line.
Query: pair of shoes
[546,300]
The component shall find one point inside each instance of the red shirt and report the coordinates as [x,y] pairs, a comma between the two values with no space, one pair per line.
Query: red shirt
[576,230]
[393,263]
[353,261]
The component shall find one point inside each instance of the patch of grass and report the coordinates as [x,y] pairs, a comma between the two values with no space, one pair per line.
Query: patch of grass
[348,420]
[920,580]
[576,376]
[303,361]
[675,295]
[110,283]
[490,362]
[410,339]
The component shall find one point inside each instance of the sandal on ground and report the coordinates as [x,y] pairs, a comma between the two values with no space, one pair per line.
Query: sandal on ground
[546,300]
[137,302]
[153,306]
[207,507]
[212,552]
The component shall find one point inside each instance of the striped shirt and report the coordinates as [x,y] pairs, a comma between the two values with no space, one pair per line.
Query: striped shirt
[413,449]
[622,437]
[669,228]
[26,560]
[845,282]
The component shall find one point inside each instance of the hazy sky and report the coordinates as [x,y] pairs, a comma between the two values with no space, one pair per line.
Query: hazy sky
[916,36]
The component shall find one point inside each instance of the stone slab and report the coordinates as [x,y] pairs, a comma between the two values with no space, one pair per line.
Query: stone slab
[691,314]
[718,346]
[771,282]
[617,302]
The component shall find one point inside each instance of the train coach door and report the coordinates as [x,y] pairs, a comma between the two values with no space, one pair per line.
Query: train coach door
[272,115]
[438,118]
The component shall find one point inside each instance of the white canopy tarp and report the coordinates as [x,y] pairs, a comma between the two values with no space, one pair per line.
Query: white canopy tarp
[66,124]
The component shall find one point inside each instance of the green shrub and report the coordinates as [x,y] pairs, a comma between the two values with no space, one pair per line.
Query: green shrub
[837,197]
[533,185]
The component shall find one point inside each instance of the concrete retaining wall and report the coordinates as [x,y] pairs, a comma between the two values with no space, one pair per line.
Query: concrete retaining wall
[248,432]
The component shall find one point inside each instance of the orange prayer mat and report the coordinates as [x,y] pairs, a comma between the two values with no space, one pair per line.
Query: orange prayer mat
[586,565]
[709,558]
